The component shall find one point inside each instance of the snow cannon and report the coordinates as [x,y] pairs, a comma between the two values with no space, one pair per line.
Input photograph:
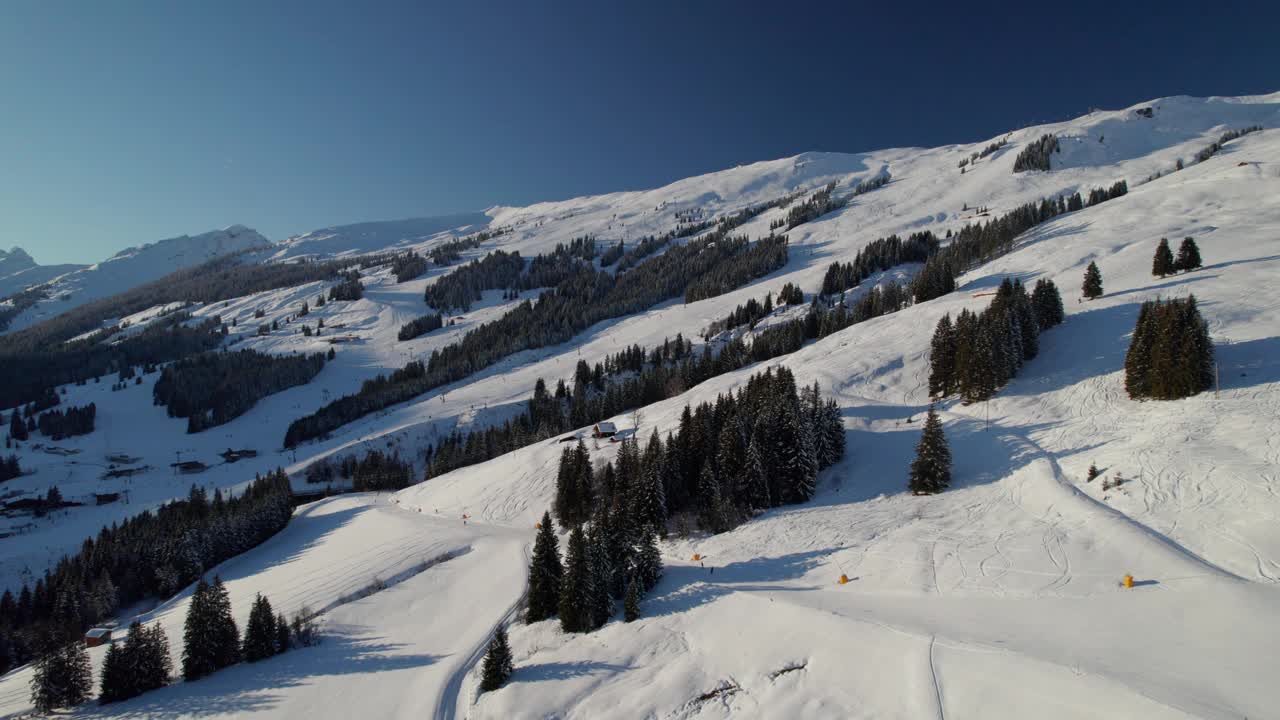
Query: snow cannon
[844,579]
[537,526]
[696,557]
[1128,581]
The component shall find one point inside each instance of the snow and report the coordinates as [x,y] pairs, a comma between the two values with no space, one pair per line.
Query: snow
[999,598]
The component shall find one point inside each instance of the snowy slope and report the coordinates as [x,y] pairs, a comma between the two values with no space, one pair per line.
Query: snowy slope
[368,237]
[135,266]
[999,598]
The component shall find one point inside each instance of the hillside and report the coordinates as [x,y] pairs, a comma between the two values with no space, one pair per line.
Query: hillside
[19,270]
[133,267]
[1000,597]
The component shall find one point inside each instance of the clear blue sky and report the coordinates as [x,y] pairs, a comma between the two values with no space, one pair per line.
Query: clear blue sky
[126,122]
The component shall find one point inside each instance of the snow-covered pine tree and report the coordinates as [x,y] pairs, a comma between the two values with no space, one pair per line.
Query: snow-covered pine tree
[498,664]
[1092,287]
[599,600]
[260,631]
[711,515]
[199,644]
[648,564]
[631,606]
[795,454]
[651,496]
[116,680]
[585,483]
[1188,256]
[545,572]
[573,587]
[63,678]
[226,635]
[566,501]
[754,483]
[931,469]
[942,358]
[731,453]
[154,665]
[1162,262]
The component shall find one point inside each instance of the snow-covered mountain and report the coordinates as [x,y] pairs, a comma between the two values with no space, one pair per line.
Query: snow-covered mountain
[135,266]
[18,270]
[999,598]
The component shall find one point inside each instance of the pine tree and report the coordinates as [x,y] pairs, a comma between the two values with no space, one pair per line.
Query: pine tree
[1162,263]
[1093,473]
[260,632]
[116,681]
[631,606]
[1137,360]
[931,469]
[712,515]
[599,600]
[1092,287]
[199,648]
[650,498]
[17,428]
[755,484]
[1188,256]
[648,562]
[833,427]
[566,489]
[545,572]
[283,640]
[498,664]
[224,624]
[210,638]
[154,664]
[1047,303]
[942,358]
[573,587]
[63,678]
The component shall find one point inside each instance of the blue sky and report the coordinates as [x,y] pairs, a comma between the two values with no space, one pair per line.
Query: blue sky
[127,122]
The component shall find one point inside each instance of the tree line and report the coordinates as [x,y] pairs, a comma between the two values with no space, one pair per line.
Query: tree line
[1171,354]
[877,256]
[9,468]
[420,326]
[558,314]
[1164,263]
[376,471]
[755,449]
[408,266]
[820,203]
[214,388]
[981,352]
[1213,148]
[151,555]
[141,662]
[68,422]
[1035,156]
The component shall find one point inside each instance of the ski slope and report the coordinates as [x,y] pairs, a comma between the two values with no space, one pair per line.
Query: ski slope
[998,598]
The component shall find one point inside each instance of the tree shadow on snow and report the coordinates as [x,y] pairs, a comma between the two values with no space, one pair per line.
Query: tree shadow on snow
[1249,363]
[255,687]
[684,587]
[562,670]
